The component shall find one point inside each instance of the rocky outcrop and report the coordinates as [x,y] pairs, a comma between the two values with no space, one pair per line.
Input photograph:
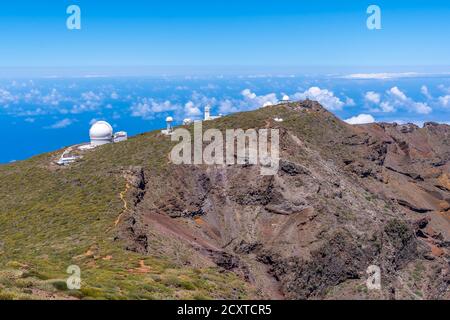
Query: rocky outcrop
[133,233]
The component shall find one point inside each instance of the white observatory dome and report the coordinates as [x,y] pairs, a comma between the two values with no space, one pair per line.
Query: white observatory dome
[169,119]
[101,133]
[285,98]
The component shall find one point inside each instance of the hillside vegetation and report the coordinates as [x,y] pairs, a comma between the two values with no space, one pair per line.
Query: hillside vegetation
[139,227]
[53,217]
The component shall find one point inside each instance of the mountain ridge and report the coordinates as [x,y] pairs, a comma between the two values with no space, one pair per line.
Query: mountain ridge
[345,197]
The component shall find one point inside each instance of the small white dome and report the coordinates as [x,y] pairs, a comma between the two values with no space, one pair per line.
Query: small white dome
[169,119]
[285,98]
[101,132]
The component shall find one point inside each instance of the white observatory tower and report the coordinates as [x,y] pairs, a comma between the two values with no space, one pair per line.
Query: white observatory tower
[169,130]
[169,121]
[101,133]
[207,113]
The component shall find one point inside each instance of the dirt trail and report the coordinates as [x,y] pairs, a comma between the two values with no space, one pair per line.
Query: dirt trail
[125,204]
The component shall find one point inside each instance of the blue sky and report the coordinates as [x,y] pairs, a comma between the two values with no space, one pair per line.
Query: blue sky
[217,33]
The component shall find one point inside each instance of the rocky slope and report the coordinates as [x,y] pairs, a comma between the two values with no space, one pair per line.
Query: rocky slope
[345,197]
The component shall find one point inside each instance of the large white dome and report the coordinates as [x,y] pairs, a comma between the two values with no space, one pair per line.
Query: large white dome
[101,133]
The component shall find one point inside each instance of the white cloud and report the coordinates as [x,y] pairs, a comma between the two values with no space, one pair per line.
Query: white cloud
[6,96]
[397,94]
[79,108]
[227,106]
[445,101]
[201,100]
[64,123]
[142,110]
[325,97]
[162,106]
[250,101]
[31,113]
[380,76]
[247,93]
[361,119]
[350,102]
[424,90]
[387,107]
[32,95]
[147,107]
[372,97]
[258,101]
[191,110]
[91,100]
[421,107]
[396,99]
[54,98]
[444,88]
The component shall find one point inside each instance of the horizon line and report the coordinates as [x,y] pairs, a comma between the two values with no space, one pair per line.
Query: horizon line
[98,71]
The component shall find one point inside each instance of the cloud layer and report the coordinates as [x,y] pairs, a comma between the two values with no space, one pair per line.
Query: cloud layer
[395,99]
[361,119]
[324,97]
[68,101]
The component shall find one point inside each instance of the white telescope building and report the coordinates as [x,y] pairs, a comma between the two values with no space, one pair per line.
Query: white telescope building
[169,130]
[208,115]
[101,133]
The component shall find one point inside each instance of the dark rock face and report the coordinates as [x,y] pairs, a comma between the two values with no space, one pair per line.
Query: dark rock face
[360,170]
[341,259]
[404,244]
[255,195]
[293,169]
[411,207]
[246,248]
[132,232]
[285,208]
